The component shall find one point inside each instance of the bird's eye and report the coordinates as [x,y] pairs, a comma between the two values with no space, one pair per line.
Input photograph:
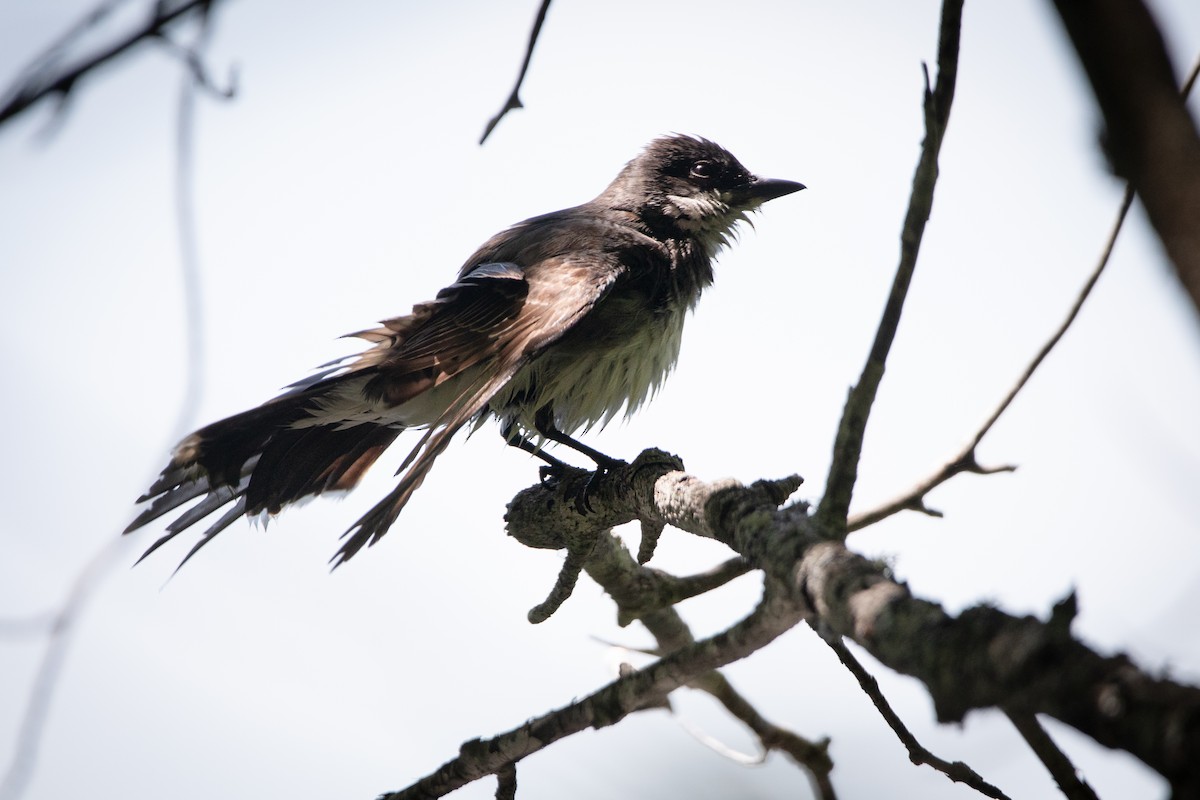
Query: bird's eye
[704,169]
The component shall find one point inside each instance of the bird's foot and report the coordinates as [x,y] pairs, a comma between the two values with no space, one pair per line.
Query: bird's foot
[583,497]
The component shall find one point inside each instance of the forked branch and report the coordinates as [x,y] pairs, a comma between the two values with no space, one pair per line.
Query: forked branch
[834,508]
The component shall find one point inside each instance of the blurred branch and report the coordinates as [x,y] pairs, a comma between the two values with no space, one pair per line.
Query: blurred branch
[46,77]
[514,98]
[37,706]
[63,622]
[1150,138]
[847,448]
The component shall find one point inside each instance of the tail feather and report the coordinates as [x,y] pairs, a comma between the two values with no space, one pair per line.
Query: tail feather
[371,526]
[217,496]
[317,437]
[228,518]
[234,513]
[184,485]
[257,461]
[308,461]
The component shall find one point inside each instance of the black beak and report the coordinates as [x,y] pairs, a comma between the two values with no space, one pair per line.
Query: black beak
[768,188]
[761,190]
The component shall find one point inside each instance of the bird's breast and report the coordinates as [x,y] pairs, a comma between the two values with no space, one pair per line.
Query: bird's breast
[613,361]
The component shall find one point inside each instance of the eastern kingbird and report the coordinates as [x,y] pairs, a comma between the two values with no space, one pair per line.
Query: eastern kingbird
[555,325]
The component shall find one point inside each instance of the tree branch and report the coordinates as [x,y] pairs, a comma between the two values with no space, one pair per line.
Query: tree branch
[1150,138]
[44,80]
[965,461]
[984,658]
[514,98]
[843,470]
[636,690]
[1073,786]
[634,588]
[957,771]
[812,756]
[981,658]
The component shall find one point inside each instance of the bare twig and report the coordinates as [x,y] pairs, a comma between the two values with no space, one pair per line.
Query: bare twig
[64,620]
[633,691]
[1072,784]
[812,756]
[185,216]
[914,498]
[632,586]
[658,590]
[843,471]
[29,626]
[514,98]
[46,81]
[956,771]
[965,461]
[37,706]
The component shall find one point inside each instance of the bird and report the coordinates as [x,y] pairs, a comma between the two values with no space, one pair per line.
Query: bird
[553,326]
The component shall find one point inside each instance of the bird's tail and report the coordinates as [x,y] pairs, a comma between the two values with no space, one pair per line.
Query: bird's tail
[260,461]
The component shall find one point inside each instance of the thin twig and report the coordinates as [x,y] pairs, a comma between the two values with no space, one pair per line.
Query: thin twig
[917,754]
[33,86]
[843,471]
[63,623]
[1072,784]
[633,587]
[41,693]
[965,461]
[812,756]
[663,590]
[514,98]
[607,706]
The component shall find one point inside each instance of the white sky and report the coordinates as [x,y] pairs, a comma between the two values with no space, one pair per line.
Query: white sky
[344,184]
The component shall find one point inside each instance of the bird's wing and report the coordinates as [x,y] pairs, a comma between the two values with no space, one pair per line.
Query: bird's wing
[492,319]
[562,291]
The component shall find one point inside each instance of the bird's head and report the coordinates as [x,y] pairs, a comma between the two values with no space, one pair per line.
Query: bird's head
[685,185]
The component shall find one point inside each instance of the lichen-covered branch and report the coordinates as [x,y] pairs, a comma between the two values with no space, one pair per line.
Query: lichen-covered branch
[985,658]
[638,689]
[981,658]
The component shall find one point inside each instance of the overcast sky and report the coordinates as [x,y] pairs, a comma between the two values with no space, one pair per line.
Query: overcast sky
[344,183]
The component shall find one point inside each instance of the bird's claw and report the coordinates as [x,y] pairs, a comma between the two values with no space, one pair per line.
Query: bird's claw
[583,497]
